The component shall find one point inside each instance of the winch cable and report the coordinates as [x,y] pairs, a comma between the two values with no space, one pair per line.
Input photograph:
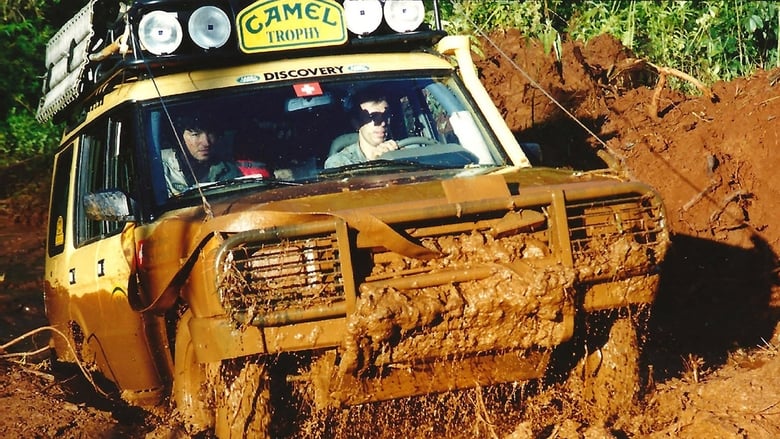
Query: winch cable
[539,87]
[204,201]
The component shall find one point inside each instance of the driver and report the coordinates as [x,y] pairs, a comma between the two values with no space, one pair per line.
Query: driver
[372,119]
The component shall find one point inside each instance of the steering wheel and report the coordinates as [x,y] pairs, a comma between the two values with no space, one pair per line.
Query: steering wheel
[416,140]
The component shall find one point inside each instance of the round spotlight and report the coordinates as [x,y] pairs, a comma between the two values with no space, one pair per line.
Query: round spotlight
[404,15]
[209,27]
[363,16]
[160,32]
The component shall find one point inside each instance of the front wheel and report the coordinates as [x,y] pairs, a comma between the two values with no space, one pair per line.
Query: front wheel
[243,399]
[608,375]
[191,391]
[231,397]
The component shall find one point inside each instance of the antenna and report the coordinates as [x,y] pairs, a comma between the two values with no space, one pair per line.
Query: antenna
[437,14]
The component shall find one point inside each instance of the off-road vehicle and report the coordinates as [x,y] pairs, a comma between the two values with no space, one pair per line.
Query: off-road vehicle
[456,259]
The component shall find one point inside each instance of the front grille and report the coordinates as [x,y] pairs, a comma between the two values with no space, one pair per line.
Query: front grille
[500,238]
[280,276]
[616,235]
[494,287]
[275,277]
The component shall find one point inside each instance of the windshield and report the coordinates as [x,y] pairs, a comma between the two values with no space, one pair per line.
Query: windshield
[298,133]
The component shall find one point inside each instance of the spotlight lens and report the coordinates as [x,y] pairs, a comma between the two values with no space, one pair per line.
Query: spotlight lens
[363,16]
[404,15]
[209,27]
[160,32]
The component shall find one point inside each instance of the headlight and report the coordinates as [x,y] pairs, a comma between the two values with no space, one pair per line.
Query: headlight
[160,32]
[404,15]
[209,27]
[363,16]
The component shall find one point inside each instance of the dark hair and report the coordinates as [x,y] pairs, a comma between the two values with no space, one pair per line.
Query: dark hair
[196,123]
[370,94]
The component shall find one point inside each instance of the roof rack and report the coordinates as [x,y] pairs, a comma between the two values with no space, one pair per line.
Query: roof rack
[108,42]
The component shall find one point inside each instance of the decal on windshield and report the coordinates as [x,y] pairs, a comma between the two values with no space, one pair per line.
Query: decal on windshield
[307,89]
[303,73]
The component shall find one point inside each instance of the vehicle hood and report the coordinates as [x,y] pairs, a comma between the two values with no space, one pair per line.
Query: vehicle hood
[361,199]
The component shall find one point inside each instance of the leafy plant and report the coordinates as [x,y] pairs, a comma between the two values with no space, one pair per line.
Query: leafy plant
[470,15]
[24,33]
[25,137]
[711,40]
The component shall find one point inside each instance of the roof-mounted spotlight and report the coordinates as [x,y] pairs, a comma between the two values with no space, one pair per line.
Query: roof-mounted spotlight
[404,15]
[362,16]
[160,32]
[209,27]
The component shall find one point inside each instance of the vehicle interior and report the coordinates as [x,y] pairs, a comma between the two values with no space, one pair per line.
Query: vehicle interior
[286,131]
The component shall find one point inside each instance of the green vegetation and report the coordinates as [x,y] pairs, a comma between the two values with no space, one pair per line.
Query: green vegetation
[24,33]
[711,40]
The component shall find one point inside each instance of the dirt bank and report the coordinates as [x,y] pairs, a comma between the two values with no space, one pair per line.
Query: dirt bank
[712,159]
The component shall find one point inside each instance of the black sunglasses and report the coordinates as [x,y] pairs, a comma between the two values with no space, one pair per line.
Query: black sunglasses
[377,117]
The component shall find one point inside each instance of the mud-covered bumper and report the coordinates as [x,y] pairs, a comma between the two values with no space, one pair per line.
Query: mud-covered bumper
[414,292]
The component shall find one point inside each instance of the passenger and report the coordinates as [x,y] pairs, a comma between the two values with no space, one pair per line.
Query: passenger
[372,121]
[198,163]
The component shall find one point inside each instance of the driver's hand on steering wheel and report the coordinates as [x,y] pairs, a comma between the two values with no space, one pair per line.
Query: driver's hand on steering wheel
[387,145]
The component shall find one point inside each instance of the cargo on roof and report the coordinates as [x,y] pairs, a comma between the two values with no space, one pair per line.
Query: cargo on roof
[155,37]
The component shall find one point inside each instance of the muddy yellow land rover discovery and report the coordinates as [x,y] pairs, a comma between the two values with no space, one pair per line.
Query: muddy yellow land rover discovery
[318,196]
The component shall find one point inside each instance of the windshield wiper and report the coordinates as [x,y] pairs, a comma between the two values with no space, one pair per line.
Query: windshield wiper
[240,181]
[378,165]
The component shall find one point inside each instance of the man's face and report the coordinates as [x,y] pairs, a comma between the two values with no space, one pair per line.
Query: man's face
[199,143]
[373,131]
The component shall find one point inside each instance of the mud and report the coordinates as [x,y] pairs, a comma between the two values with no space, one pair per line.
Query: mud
[710,355]
[482,295]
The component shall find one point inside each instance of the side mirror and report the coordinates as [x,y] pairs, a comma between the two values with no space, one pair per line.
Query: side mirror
[108,205]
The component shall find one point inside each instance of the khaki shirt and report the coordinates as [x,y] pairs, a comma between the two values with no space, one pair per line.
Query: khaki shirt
[347,156]
[178,181]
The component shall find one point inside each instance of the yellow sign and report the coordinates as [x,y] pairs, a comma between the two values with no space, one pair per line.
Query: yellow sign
[270,25]
[59,233]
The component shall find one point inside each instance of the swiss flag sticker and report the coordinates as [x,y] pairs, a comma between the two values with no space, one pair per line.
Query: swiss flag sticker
[307,89]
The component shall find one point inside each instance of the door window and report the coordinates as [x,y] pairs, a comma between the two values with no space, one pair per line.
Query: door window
[105,162]
[58,209]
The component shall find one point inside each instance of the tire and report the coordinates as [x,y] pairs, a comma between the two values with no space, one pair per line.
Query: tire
[608,375]
[191,393]
[243,399]
[231,397]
